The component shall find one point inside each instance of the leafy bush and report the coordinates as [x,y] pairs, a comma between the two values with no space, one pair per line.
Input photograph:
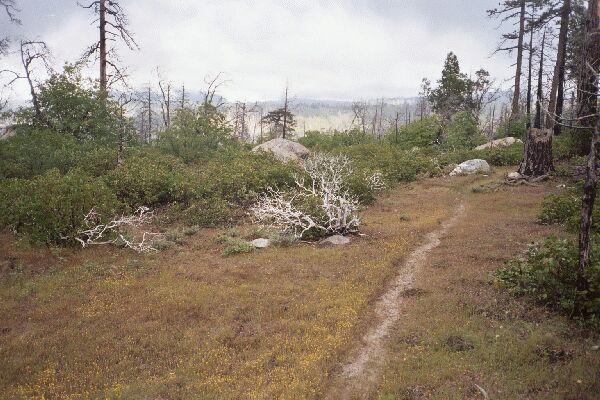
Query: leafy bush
[75,106]
[323,141]
[548,274]
[51,208]
[501,156]
[150,180]
[197,134]
[422,133]
[397,165]
[565,209]
[238,177]
[208,212]
[34,151]
[512,127]
[462,132]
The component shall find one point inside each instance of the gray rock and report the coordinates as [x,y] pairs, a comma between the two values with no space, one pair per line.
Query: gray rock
[514,176]
[261,243]
[507,141]
[472,167]
[284,150]
[336,240]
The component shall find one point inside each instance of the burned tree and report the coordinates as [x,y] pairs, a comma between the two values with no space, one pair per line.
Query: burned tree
[10,7]
[359,109]
[33,52]
[112,25]
[510,10]
[537,156]
[556,102]
[589,116]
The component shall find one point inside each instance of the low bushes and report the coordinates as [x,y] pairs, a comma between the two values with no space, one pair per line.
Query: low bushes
[565,209]
[150,180]
[51,208]
[548,274]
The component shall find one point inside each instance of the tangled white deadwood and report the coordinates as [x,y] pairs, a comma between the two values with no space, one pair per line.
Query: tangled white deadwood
[113,232]
[337,208]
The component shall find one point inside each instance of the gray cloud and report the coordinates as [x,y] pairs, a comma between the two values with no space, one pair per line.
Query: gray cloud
[326,49]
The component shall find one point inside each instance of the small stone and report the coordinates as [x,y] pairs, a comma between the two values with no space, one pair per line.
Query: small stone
[261,243]
[595,348]
[336,240]
[514,176]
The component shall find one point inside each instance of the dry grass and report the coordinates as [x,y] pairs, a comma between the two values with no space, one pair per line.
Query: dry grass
[461,331]
[188,323]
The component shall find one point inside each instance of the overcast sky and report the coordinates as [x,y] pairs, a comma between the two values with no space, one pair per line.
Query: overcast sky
[325,49]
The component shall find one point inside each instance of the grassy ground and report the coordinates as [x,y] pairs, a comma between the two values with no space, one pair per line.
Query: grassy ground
[460,331]
[187,323]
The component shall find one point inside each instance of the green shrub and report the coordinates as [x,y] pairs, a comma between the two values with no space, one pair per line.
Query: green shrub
[515,127]
[208,212]
[422,133]
[51,208]
[150,180]
[395,164]
[327,141]
[32,152]
[236,246]
[238,177]
[548,274]
[462,132]
[565,209]
[501,156]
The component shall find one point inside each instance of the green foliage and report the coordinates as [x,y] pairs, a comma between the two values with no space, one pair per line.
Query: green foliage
[237,246]
[74,106]
[197,134]
[571,143]
[512,127]
[462,132]
[275,120]
[323,141]
[395,164]
[208,212]
[548,274]
[450,95]
[34,151]
[501,156]
[565,209]
[51,208]
[422,133]
[150,180]
[238,177]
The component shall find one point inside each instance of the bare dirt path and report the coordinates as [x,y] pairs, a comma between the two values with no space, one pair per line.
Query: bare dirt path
[359,376]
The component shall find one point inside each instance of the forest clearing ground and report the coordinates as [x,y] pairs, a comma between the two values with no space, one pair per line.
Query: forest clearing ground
[460,337]
[187,323]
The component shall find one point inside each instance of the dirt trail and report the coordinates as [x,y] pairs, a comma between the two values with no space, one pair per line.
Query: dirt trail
[360,374]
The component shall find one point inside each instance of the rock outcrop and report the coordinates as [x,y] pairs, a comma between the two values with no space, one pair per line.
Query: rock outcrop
[284,150]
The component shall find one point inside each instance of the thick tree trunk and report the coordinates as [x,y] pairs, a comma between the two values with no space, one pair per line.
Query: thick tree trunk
[103,55]
[592,60]
[537,158]
[519,70]
[559,69]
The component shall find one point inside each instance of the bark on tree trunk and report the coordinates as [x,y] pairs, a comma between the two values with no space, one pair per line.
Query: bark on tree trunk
[559,69]
[592,60]
[519,69]
[103,55]
[537,156]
